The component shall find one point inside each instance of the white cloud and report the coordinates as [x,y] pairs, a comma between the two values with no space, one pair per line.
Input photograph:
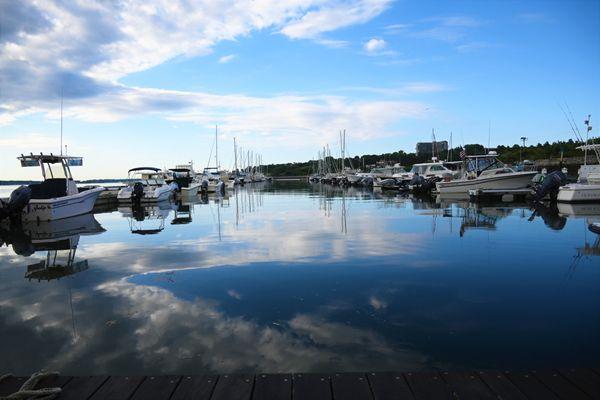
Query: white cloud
[227,58]
[333,16]
[375,45]
[84,48]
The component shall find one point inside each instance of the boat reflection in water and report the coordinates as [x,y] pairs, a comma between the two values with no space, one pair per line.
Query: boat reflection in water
[59,239]
[147,219]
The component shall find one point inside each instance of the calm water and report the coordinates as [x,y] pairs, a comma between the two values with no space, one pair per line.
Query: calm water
[288,277]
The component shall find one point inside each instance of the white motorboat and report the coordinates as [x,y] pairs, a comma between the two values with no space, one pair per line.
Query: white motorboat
[432,169]
[146,185]
[56,197]
[211,180]
[587,188]
[485,172]
[185,178]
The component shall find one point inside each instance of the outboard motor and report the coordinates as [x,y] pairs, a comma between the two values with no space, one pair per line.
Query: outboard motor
[138,192]
[18,200]
[3,211]
[552,182]
[204,186]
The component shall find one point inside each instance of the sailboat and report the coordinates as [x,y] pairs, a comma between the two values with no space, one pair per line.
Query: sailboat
[211,176]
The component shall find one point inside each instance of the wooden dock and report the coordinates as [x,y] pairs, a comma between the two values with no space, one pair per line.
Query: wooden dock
[571,384]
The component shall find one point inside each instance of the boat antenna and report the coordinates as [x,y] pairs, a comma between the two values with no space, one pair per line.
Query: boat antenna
[61,120]
[572,124]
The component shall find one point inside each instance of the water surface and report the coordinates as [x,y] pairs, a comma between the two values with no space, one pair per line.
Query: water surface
[289,277]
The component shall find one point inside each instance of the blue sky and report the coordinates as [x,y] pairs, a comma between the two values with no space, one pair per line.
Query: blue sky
[144,83]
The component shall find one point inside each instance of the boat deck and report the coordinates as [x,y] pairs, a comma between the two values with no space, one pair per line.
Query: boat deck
[565,384]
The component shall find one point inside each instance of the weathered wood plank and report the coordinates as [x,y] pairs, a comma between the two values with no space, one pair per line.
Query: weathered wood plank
[272,387]
[195,387]
[389,386]
[156,388]
[351,386]
[311,387]
[82,387]
[585,379]
[53,381]
[502,387]
[560,385]
[11,384]
[233,387]
[118,388]
[428,385]
[530,385]
[468,385]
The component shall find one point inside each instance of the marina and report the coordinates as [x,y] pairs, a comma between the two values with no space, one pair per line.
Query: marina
[318,199]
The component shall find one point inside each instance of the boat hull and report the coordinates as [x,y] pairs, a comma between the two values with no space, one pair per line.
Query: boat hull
[578,192]
[61,207]
[516,180]
[161,193]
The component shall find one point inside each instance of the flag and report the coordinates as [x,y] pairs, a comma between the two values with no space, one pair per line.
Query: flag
[463,154]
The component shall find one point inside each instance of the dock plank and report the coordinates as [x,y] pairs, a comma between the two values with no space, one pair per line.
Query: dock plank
[560,385]
[82,387]
[529,385]
[233,387]
[272,387]
[156,388]
[468,385]
[502,387]
[118,388]
[585,379]
[428,385]
[11,384]
[389,386]
[351,386]
[195,387]
[311,387]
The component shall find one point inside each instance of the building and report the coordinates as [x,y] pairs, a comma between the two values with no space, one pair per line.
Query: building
[426,148]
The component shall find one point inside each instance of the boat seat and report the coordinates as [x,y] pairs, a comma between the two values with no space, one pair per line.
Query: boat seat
[49,189]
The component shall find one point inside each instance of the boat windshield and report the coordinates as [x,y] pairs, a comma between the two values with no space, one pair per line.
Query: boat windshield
[418,169]
[479,164]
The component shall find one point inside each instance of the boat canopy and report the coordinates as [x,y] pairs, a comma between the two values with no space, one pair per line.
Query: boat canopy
[34,160]
[144,169]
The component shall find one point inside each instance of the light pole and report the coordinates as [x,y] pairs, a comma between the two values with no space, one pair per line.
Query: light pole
[523,139]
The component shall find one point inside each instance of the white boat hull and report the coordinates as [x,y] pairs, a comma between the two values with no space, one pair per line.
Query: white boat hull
[61,207]
[151,195]
[579,192]
[515,180]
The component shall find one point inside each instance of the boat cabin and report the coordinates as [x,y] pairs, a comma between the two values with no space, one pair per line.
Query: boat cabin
[487,164]
[58,180]
[148,176]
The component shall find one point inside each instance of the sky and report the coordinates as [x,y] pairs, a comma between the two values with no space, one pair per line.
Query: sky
[144,83]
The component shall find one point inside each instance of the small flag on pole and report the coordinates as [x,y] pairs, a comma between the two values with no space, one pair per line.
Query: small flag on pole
[463,154]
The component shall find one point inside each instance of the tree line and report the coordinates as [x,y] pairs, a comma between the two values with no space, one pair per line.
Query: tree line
[508,154]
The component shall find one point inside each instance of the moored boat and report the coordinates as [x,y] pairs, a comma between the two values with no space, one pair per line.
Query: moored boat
[56,197]
[485,172]
[146,184]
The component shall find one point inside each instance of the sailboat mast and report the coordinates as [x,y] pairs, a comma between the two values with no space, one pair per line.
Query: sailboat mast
[235,153]
[216,148]
[61,122]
